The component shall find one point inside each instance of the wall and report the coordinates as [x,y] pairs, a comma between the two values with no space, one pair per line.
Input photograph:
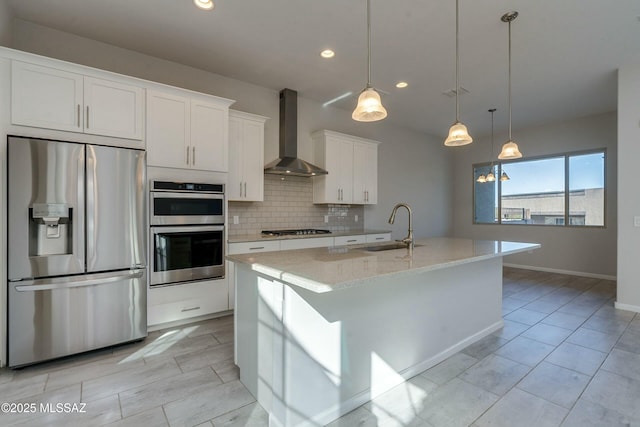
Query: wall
[6,24]
[288,203]
[414,167]
[628,296]
[578,250]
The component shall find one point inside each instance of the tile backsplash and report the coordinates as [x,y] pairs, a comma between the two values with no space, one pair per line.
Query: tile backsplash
[288,203]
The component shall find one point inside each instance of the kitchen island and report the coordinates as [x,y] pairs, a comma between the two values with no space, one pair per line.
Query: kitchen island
[322,331]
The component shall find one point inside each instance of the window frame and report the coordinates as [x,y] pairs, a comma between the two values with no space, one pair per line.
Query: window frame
[567,156]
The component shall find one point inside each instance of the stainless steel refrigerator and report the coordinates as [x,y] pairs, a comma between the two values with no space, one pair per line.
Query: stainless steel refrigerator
[77,228]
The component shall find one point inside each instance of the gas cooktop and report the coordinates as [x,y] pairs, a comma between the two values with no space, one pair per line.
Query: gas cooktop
[300,232]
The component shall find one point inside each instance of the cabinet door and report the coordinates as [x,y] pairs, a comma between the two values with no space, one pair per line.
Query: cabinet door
[345,158]
[365,173]
[372,175]
[235,177]
[112,109]
[45,97]
[209,136]
[253,159]
[168,130]
[338,158]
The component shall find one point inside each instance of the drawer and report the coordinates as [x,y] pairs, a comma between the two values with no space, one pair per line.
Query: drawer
[383,237]
[315,242]
[249,247]
[178,302]
[350,240]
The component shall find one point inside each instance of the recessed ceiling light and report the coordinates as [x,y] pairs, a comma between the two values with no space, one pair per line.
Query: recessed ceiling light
[327,53]
[204,4]
[402,85]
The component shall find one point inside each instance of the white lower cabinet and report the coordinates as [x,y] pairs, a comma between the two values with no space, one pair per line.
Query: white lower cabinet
[382,237]
[316,242]
[349,240]
[183,301]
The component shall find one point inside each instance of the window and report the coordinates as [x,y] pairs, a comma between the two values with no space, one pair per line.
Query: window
[561,190]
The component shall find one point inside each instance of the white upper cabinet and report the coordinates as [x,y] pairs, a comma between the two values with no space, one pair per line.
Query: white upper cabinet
[246,157]
[209,136]
[365,173]
[187,133]
[352,164]
[51,98]
[113,109]
[168,130]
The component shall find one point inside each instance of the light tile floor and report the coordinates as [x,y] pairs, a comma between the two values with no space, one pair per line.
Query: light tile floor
[564,357]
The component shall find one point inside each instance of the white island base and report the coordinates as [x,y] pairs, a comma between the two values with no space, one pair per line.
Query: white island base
[311,357]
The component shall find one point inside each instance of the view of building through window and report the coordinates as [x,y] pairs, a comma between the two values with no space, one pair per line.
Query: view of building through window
[559,190]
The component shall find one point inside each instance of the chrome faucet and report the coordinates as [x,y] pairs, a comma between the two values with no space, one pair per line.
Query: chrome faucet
[409,239]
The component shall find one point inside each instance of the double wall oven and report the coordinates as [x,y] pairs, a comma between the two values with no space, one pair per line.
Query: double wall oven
[186,238]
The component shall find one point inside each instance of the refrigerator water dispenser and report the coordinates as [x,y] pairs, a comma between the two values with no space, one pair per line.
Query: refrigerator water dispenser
[50,229]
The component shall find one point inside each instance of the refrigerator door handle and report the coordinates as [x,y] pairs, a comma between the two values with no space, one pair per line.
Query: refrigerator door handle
[76,282]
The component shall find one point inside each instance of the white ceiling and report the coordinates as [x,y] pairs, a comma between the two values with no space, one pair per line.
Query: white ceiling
[565,52]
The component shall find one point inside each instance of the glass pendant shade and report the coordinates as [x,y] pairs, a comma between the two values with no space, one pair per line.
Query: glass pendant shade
[481,179]
[490,176]
[504,176]
[510,151]
[369,108]
[458,135]
[204,4]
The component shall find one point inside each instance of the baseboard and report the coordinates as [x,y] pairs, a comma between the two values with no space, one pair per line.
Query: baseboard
[628,307]
[560,271]
[187,321]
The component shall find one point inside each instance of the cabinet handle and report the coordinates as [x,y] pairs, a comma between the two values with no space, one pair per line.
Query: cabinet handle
[245,189]
[193,155]
[187,155]
[190,309]
[79,116]
[240,189]
[352,240]
[379,238]
[256,248]
[87,119]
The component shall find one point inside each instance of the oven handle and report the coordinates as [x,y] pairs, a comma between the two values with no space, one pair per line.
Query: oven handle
[186,195]
[186,229]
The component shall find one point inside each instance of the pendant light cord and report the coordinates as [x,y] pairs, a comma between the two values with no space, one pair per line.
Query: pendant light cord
[368,44]
[457,60]
[492,110]
[510,80]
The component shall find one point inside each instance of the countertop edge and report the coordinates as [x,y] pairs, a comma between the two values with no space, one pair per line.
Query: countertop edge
[319,287]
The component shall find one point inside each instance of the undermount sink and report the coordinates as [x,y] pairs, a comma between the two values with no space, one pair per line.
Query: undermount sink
[387,247]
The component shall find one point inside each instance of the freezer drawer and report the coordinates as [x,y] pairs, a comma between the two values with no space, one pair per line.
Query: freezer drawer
[51,318]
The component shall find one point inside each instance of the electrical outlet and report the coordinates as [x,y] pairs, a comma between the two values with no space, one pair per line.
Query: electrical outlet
[356,218]
[236,220]
[636,221]
[326,219]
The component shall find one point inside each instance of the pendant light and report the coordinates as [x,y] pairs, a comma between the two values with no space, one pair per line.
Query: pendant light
[510,148]
[491,176]
[369,108]
[458,133]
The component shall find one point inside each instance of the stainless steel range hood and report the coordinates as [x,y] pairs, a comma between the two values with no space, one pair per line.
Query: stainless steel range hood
[289,163]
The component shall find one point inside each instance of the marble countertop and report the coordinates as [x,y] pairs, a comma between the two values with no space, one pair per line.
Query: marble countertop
[262,237]
[330,269]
